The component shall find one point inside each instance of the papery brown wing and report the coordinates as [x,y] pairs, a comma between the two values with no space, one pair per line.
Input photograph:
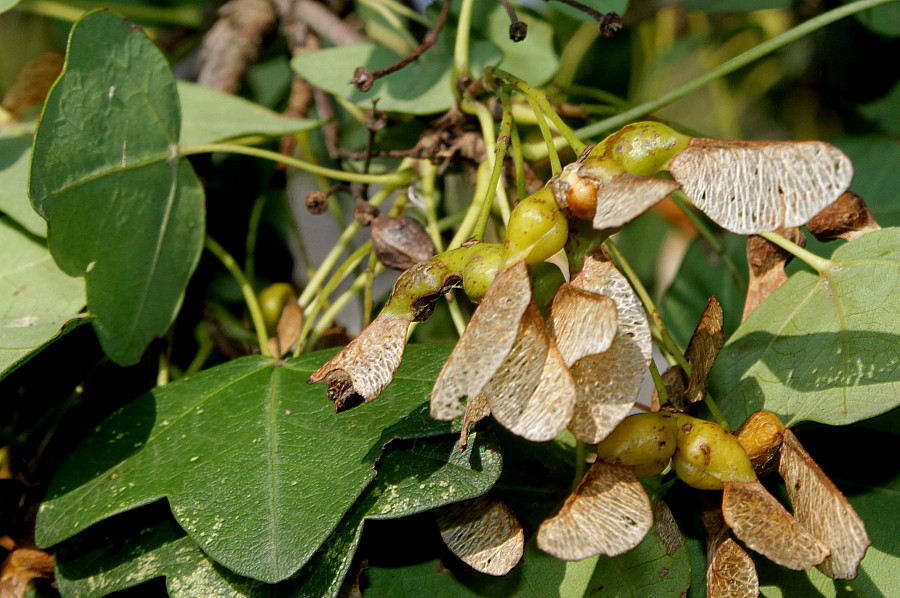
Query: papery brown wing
[483,533]
[704,347]
[759,520]
[730,572]
[823,510]
[583,323]
[766,263]
[749,187]
[628,196]
[608,513]
[484,345]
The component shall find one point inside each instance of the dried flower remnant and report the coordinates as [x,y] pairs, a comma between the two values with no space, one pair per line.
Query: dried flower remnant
[759,520]
[400,242]
[609,513]
[483,533]
[750,187]
[766,263]
[823,510]
[704,347]
[730,572]
[848,218]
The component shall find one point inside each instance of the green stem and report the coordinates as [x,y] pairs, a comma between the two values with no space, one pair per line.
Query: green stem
[331,314]
[555,166]
[574,51]
[461,46]
[710,238]
[499,156]
[519,163]
[256,213]
[246,289]
[204,349]
[715,411]
[819,264]
[396,178]
[535,96]
[369,289]
[335,254]
[658,383]
[537,151]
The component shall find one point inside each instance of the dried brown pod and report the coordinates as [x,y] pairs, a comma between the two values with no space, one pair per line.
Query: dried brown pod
[583,323]
[483,533]
[484,345]
[287,331]
[823,510]
[400,242]
[608,513]
[364,367]
[675,382]
[316,202]
[847,218]
[477,408]
[730,572]
[767,261]
[20,567]
[704,347]
[666,528]
[751,187]
[759,520]
[532,393]
[761,436]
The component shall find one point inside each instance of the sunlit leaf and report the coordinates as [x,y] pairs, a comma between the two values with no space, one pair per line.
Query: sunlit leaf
[821,347]
[533,59]
[123,210]
[7,4]
[15,161]
[208,115]
[749,187]
[38,303]
[251,443]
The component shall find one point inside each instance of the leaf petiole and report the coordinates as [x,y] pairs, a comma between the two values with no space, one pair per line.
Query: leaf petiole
[819,264]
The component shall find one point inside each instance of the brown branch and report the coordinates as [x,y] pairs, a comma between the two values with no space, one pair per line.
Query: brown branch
[609,22]
[517,29]
[363,78]
[322,20]
[232,44]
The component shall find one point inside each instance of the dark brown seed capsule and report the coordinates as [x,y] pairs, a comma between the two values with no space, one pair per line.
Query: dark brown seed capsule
[316,202]
[400,242]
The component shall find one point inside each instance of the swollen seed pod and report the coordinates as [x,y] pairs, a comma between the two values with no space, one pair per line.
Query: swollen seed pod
[707,455]
[481,268]
[642,148]
[645,441]
[537,229]
[272,300]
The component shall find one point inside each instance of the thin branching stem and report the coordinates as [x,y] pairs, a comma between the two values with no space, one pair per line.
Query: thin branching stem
[256,316]
[819,264]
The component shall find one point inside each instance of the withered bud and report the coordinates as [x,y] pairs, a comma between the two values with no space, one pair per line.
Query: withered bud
[400,242]
[363,78]
[316,202]
[847,218]
[376,120]
[610,23]
[364,213]
[518,31]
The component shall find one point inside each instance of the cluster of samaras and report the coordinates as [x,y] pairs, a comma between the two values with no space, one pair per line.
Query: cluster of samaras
[581,367]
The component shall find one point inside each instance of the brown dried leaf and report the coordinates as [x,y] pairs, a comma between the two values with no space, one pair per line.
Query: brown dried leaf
[607,386]
[759,520]
[364,367]
[666,529]
[477,408]
[761,435]
[400,242]
[32,83]
[704,348]
[484,345]
[730,571]
[848,218]
[767,261]
[608,513]
[532,393]
[289,325]
[750,187]
[823,510]
[628,196]
[675,383]
[484,533]
[583,323]
[20,567]
[600,276]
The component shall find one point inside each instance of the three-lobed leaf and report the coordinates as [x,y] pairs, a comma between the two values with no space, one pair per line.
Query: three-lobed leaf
[256,466]
[822,347]
[411,479]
